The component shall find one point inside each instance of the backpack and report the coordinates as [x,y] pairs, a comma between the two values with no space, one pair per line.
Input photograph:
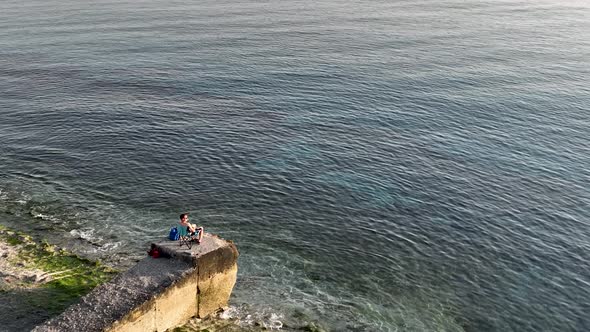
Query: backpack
[154,252]
[173,236]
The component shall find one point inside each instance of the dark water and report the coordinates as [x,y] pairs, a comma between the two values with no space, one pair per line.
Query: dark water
[381,165]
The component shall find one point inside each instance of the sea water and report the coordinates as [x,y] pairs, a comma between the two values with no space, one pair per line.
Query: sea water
[396,165]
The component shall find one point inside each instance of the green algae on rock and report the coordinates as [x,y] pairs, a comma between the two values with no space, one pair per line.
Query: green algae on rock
[45,279]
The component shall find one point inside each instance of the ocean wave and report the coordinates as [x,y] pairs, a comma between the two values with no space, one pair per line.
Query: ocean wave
[88,234]
[265,318]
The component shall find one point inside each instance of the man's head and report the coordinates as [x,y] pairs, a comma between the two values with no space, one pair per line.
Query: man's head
[184,217]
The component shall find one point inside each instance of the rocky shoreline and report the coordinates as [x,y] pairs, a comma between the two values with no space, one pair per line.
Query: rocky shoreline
[14,274]
[39,281]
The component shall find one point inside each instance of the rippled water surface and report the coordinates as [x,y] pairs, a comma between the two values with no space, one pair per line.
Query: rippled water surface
[381,165]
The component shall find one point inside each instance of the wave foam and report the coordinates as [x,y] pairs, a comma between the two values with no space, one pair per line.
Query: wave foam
[265,318]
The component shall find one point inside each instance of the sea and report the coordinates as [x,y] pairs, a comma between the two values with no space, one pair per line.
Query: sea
[381,165]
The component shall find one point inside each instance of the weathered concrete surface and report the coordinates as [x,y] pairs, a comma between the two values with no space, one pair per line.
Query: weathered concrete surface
[158,294]
[217,269]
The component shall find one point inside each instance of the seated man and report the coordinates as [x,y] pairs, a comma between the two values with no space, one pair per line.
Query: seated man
[191,229]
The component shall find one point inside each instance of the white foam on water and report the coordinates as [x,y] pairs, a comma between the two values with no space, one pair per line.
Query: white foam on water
[14,197]
[229,313]
[109,246]
[47,217]
[266,318]
[87,234]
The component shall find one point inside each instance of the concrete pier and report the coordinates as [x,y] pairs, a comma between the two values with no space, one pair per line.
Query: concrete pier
[158,293]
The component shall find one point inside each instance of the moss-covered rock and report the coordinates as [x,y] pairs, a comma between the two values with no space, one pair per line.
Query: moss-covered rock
[45,279]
